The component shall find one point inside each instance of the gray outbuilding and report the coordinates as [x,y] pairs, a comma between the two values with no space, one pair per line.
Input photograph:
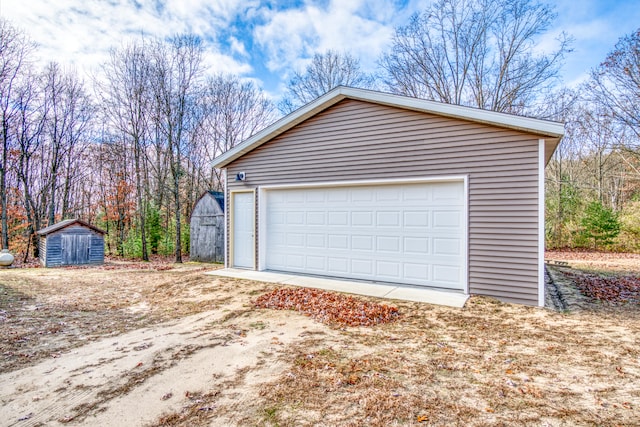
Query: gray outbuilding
[207,228]
[378,187]
[71,242]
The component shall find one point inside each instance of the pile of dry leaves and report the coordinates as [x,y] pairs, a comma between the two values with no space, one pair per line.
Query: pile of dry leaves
[328,307]
[609,289]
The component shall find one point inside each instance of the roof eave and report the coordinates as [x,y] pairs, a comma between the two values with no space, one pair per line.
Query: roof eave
[544,128]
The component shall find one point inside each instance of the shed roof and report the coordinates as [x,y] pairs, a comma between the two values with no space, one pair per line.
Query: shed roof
[219,196]
[552,132]
[66,223]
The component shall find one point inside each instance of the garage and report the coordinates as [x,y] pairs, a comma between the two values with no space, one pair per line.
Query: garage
[367,186]
[410,233]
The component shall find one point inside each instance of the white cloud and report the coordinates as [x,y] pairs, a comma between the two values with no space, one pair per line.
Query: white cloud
[81,32]
[291,37]
[240,33]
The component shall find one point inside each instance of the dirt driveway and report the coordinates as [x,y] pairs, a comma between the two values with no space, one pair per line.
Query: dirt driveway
[132,344]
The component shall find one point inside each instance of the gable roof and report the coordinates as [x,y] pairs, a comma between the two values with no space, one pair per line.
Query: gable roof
[552,132]
[66,223]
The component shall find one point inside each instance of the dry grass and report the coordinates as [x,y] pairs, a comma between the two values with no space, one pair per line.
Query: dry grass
[489,364]
[598,262]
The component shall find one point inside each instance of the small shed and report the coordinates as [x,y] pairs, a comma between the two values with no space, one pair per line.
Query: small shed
[207,228]
[71,242]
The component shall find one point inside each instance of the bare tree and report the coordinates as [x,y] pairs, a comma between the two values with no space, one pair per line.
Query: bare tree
[615,84]
[28,132]
[68,114]
[126,99]
[175,75]
[235,111]
[326,71]
[15,48]
[475,52]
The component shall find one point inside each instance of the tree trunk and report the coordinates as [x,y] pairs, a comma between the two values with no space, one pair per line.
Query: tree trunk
[3,185]
[141,207]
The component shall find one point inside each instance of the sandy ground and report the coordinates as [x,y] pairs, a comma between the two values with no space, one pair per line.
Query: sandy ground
[134,378]
[157,347]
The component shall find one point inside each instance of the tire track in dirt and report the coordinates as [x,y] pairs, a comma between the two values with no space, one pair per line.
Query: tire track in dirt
[83,380]
[135,378]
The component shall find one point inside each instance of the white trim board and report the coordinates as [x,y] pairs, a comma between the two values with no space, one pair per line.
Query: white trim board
[361,182]
[541,164]
[231,224]
[226,208]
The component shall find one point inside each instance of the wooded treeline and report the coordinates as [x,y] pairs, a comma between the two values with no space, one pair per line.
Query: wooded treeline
[131,150]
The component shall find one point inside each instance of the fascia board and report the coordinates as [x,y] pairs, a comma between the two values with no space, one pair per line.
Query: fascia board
[531,125]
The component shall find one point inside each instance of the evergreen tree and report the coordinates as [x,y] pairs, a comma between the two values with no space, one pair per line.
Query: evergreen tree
[600,224]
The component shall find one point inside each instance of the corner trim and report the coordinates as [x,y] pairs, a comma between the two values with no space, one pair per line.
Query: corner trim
[226,228]
[541,229]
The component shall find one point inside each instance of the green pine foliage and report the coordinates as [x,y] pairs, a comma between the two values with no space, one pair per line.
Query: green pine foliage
[600,225]
[154,228]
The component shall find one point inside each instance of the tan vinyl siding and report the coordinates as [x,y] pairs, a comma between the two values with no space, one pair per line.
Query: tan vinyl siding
[355,140]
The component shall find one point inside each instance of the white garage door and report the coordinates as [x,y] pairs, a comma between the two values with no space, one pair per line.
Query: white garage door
[409,233]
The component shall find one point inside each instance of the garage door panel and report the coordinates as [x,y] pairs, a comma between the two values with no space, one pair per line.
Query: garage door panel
[388,219]
[417,219]
[416,273]
[447,246]
[362,194]
[362,243]
[296,240]
[338,241]
[447,219]
[315,197]
[316,218]
[316,263]
[388,270]
[362,267]
[410,234]
[415,193]
[295,261]
[337,265]
[417,245]
[316,241]
[338,218]
[362,218]
[446,274]
[388,194]
[388,244]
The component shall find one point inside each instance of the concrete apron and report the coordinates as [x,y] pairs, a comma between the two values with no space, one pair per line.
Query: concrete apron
[380,290]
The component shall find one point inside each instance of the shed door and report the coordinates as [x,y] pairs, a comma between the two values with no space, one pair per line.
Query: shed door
[243,229]
[410,233]
[75,249]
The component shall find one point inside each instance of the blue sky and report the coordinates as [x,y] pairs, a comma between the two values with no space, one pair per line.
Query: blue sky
[267,40]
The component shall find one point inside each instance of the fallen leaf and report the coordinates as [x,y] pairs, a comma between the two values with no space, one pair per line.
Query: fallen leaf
[328,307]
